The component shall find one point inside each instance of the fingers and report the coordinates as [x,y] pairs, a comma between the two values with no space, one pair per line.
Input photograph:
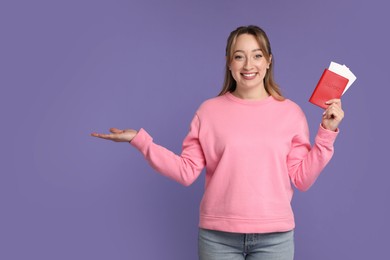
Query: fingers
[117,135]
[333,114]
[112,136]
[336,101]
[116,130]
[104,136]
[334,111]
[334,108]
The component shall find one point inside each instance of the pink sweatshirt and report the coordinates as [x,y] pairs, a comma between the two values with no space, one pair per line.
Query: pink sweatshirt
[252,151]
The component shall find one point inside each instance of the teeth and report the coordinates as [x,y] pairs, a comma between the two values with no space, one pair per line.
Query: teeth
[249,75]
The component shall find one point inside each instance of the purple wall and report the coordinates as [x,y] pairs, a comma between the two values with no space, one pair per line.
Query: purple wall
[72,67]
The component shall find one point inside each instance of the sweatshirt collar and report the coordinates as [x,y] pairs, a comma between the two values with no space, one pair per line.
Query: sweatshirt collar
[251,102]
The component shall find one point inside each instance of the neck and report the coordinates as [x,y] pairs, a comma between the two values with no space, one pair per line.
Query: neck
[255,94]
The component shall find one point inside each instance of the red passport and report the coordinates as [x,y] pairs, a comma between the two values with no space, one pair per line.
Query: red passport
[331,85]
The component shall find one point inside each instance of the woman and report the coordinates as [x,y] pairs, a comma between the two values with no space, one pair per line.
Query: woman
[254,143]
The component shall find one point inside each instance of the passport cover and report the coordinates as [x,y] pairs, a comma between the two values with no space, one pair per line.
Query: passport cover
[331,85]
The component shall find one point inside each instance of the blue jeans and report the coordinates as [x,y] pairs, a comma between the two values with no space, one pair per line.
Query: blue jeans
[218,245]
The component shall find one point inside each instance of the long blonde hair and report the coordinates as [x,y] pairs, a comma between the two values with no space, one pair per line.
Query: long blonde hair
[270,85]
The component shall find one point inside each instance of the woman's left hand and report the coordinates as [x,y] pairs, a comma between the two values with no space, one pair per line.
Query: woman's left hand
[333,115]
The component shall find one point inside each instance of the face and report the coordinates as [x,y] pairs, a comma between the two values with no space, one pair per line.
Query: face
[248,66]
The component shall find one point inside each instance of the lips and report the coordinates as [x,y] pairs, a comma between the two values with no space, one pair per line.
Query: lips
[249,75]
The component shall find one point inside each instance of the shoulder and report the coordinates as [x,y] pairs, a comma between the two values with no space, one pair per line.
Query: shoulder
[288,103]
[290,108]
[212,104]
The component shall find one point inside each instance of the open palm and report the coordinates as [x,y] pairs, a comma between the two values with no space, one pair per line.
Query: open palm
[117,135]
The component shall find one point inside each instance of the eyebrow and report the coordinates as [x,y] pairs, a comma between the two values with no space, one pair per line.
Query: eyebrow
[243,51]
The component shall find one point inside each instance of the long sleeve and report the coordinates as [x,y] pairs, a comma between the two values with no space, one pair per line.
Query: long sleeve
[255,151]
[184,168]
[304,162]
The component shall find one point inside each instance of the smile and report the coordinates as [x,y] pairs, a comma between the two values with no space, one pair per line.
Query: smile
[248,75]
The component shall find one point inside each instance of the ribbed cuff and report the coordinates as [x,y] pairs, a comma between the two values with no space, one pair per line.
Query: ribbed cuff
[326,137]
[141,140]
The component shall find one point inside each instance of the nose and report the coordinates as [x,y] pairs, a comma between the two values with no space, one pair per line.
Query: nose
[248,64]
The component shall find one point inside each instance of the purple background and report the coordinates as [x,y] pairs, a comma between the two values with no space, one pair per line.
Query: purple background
[72,67]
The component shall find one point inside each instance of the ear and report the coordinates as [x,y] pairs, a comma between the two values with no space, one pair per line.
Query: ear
[270,61]
[226,59]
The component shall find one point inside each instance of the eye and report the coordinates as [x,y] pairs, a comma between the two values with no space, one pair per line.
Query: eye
[238,57]
[258,56]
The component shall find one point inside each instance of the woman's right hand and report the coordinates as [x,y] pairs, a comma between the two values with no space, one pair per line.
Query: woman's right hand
[118,135]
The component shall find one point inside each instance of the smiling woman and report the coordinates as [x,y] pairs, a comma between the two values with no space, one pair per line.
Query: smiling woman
[254,144]
[247,44]
[248,68]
